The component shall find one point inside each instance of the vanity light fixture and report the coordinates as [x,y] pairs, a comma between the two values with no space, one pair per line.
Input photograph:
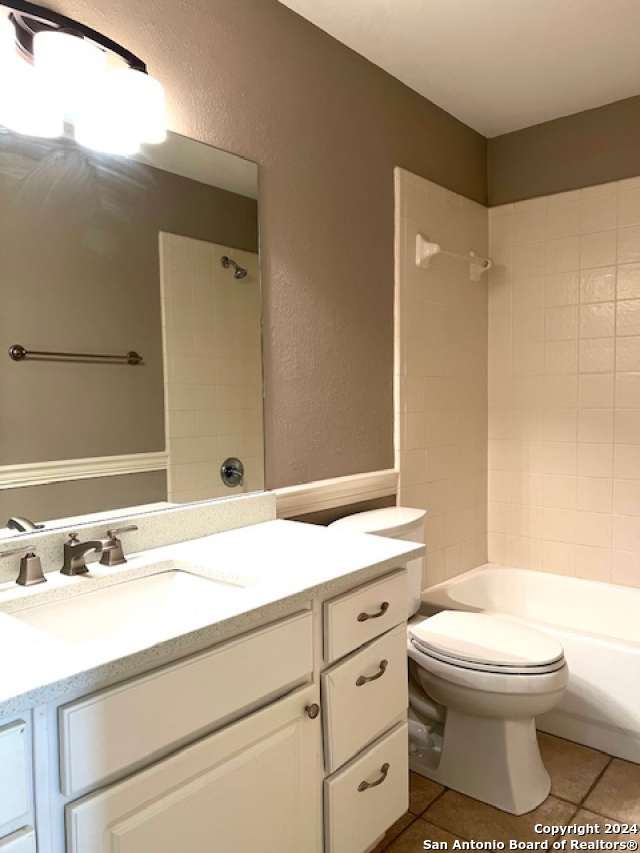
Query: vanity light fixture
[56,71]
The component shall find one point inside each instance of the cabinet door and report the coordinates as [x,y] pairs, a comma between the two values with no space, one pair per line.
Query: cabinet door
[14,797]
[23,841]
[255,785]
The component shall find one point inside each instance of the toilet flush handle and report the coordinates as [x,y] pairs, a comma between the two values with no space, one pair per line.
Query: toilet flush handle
[362,617]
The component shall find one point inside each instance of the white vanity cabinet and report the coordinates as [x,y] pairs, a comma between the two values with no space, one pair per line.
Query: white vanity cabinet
[16,836]
[14,772]
[365,700]
[255,785]
[289,738]
[22,841]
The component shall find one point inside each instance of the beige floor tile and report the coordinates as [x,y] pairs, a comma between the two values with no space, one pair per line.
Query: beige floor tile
[394,831]
[585,818]
[477,821]
[573,768]
[617,794]
[422,792]
[411,840]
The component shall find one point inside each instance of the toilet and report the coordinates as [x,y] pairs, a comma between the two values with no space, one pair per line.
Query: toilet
[477,682]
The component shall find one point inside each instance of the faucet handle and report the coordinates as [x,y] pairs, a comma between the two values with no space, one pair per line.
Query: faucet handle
[112,534]
[73,537]
[30,566]
[113,553]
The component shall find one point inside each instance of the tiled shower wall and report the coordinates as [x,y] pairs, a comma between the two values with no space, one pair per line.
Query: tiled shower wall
[213,367]
[564,383]
[441,374]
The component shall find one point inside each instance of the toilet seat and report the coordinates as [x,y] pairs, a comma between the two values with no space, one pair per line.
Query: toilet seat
[485,643]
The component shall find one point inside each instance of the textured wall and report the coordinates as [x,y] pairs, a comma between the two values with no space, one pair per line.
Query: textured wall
[326,128]
[441,390]
[591,147]
[564,383]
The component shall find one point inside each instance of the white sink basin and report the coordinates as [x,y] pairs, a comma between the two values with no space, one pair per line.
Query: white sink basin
[134,613]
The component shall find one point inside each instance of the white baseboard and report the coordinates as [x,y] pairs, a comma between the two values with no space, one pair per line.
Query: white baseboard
[59,471]
[338,491]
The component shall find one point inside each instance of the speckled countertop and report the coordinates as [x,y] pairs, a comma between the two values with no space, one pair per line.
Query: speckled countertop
[276,568]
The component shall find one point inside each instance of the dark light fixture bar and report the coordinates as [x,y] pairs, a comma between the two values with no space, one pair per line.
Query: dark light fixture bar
[30,18]
[19,353]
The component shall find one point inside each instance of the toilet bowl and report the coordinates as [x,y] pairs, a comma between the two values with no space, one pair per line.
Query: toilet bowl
[491,677]
[476,684]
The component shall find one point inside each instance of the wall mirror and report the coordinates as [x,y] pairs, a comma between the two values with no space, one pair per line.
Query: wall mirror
[130,328]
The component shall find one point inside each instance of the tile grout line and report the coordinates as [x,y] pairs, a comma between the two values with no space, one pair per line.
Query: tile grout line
[596,780]
[438,796]
[400,834]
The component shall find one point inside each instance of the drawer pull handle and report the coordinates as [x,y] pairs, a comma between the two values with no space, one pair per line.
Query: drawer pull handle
[384,771]
[312,711]
[362,617]
[365,679]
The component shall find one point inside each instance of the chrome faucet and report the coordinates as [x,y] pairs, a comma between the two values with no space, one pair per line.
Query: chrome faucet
[110,549]
[74,554]
[23,525]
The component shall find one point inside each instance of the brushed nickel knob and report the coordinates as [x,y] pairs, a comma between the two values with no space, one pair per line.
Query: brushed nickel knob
[312,711]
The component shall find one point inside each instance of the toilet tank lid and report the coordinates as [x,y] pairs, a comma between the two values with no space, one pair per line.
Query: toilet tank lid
[390,520]
[485,638]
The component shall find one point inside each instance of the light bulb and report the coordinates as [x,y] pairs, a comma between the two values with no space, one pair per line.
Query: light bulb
[70,65]
[104,134]
[26,105]
[103,125]
[142,104]
[127,110]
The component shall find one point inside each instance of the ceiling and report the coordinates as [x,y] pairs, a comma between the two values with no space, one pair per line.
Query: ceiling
[497,65]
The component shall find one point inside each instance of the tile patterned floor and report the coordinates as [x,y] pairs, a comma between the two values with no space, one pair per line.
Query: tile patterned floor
[587,787]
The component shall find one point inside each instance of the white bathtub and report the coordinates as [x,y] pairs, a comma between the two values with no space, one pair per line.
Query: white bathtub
[599,626]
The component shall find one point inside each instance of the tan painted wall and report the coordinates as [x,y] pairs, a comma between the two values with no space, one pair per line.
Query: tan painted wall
[327,128]
[77,497]
[591,147]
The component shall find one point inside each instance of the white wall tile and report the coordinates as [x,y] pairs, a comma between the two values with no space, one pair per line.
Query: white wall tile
[628,281]
[598,285]
[441,371]
[598,250]
[564,379]
[562,255]
[598,208]
[629,245]
[595,426]
[213,373]
[628,207]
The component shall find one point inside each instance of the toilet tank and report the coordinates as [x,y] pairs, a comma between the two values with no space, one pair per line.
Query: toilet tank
[396,522]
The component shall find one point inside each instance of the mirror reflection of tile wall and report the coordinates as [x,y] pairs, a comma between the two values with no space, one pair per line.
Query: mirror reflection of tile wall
[213,369]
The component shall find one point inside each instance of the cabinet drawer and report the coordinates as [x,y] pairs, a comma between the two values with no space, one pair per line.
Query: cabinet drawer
[131,724]
[363,695]
[23,841]
[357,617]
[14,796]
[364,798]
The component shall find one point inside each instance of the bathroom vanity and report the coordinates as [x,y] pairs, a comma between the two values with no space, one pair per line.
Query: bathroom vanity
[265,710]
